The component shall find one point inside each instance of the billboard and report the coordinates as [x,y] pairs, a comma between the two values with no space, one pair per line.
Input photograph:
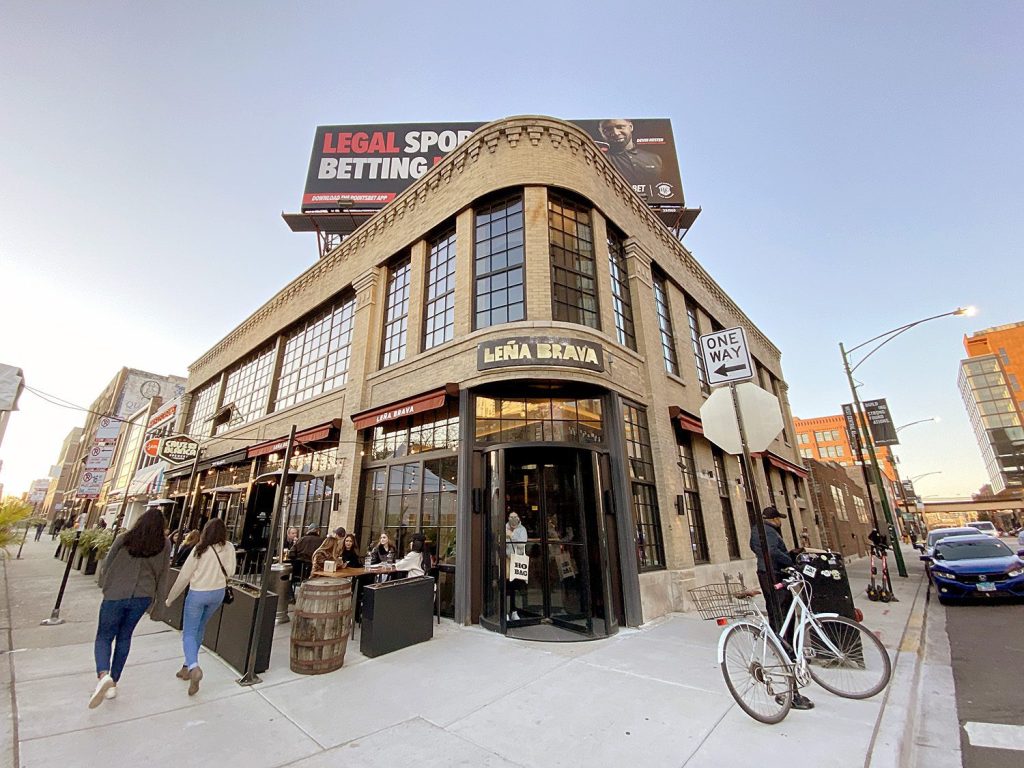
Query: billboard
[883,431]
[140,387]
[369,165]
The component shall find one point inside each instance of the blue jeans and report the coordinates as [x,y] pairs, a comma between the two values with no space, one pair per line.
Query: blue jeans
[200,605]
[118,619]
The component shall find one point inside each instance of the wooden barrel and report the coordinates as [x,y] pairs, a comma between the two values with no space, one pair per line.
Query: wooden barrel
[323,613]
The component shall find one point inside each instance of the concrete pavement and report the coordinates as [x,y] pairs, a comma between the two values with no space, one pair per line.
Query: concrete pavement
[468,697]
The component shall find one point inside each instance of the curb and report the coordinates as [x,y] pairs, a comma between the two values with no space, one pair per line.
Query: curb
[892,743]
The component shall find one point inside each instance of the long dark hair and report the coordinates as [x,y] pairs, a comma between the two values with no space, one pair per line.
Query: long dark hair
[146,538]
[214,532]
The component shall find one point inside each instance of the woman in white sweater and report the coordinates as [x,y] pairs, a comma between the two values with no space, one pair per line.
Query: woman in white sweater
[205,573]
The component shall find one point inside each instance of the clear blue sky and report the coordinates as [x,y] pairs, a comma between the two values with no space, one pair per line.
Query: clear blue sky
[859,166]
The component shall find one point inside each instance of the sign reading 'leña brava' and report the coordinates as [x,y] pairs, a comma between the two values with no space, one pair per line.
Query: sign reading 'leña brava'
[533,350]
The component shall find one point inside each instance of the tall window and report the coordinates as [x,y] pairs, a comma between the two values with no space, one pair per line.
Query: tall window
[622,305]
[439,321]
[396,314]
[732,538]
[498,261]
[668,338]
[691,500]
[571,245]
[650,550]
[702,372]
[204,401]
[316,355]
[247,389]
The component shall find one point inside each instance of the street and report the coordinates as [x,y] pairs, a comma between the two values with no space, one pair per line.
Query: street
[986,647]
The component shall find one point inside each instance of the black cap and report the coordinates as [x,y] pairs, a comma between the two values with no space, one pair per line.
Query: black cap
[771,513]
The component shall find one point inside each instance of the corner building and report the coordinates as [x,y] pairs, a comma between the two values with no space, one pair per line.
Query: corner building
[516,332]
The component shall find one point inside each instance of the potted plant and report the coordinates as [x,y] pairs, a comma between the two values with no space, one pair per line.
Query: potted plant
[12,512]
[85,545]
[67,541]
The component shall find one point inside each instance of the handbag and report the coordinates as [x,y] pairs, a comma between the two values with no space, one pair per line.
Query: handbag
[229,593]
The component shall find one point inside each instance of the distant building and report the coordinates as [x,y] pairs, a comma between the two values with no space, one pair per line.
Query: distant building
[842,504]
[990,386]
[53,504]
[825,439]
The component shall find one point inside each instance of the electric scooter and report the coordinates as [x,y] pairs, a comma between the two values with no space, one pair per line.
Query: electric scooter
[882,589]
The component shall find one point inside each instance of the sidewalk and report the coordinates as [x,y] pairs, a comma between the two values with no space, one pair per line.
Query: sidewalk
[468,697]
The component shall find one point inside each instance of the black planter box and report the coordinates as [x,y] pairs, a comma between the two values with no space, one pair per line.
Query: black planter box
[236,625]
[172,615]
[396,614]
[79,560]
[90,564]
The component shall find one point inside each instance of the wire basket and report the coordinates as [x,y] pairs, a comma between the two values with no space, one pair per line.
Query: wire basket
[722,601]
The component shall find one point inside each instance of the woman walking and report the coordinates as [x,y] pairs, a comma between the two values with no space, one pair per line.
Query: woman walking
[134,575]
[205,573]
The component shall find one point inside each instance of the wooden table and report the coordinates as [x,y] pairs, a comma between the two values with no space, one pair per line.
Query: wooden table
[350,572]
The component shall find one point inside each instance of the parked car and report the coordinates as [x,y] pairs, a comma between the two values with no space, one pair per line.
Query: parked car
[985,527]
[938,534]
[979,566]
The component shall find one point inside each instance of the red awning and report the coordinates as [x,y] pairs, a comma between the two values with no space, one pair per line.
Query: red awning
[311,435]
[786,466]
[428,401]
[685,420]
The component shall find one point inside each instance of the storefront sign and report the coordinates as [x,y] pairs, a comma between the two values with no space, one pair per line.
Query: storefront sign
[151,446]
[428,401]
[312,435]
[164,414]
[532,350]
[177,449]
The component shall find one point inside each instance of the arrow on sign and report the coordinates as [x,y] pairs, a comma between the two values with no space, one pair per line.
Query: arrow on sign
[724,370]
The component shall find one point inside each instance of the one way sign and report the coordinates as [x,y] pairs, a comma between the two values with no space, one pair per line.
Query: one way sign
[726,356]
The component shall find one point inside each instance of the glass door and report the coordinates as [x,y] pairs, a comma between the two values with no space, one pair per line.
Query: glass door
[547,492]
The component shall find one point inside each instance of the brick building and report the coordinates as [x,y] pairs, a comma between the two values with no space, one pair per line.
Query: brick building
[842,505]
[515,332]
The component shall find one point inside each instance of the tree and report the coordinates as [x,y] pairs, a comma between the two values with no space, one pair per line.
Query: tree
[12,512]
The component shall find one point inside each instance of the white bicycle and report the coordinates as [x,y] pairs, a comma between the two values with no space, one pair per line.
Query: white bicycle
[839,654]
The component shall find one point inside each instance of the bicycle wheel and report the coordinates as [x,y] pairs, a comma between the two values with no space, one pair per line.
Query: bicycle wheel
[757,673]
[845,658]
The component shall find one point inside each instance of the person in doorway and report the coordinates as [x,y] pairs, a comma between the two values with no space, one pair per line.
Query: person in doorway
[780,557]
[329,550]
[205,573]
[515,544]
[133,576]
[641,169]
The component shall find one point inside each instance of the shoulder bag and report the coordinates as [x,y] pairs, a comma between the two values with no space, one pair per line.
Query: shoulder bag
[229,593]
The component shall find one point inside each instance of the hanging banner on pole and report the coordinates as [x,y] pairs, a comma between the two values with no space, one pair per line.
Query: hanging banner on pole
[883,431]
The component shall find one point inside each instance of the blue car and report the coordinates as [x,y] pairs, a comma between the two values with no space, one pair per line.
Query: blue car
[967,567]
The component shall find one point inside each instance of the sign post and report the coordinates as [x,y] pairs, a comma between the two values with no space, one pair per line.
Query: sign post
[740,420]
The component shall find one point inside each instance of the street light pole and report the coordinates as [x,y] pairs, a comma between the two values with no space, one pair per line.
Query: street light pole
[883,339]
[883,497]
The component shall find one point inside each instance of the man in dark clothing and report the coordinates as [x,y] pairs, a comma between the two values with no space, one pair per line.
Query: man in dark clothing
[641,169]
[780,558]
[301,555]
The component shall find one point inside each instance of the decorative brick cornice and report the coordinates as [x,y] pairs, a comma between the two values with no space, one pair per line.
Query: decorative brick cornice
[486,141]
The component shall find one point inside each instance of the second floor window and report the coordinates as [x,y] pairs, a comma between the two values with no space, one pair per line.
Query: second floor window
[439,320]
[316,355]
[498,261]
[246,390]
[571,245]
[204,403]
[668,338]
[396,314]
[702,372]
[622,306]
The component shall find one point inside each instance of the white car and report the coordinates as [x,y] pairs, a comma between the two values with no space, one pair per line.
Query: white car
[940,533]
[985,527]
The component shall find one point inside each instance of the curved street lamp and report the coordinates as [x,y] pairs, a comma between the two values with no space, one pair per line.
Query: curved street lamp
[883,339]
[915,478]
[919,421]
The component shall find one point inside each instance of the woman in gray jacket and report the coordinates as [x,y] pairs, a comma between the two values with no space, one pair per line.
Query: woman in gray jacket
[134,576]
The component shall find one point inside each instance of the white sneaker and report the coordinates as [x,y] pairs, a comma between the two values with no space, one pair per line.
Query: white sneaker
[112,693]
[514,616]
[104,684]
